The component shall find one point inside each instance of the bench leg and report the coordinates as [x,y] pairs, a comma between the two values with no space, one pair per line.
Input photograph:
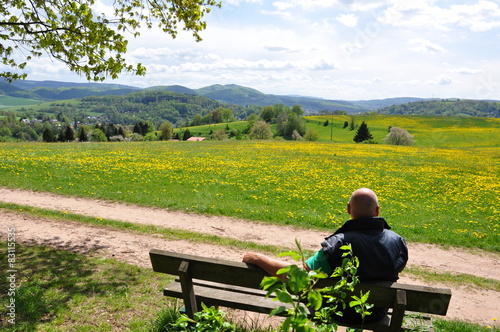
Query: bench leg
[398,311]
[187,289]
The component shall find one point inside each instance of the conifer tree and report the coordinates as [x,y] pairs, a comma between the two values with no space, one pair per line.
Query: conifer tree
[363,133]
[69,134]
[48,136]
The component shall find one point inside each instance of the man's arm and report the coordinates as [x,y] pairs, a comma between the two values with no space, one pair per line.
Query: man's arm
[268,264]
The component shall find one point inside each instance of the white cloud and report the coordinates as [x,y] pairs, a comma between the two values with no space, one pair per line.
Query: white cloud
[349,20]
[424,46]
[466,71]
[440,80]
[480,16]
[238,2]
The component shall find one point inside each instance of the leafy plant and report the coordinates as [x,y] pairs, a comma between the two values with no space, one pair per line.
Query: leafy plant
[312,307]
[208,319]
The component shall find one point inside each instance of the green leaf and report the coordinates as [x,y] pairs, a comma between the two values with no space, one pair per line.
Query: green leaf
[364,297]
[277,310]
[284,297]
[298,279]
[315,299]
[268,282]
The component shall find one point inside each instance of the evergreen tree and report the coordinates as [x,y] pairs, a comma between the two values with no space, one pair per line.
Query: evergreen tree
[48,136]
[82,135]
[187,135]
[110,130]
[363,133]
[69,134]
[352,124]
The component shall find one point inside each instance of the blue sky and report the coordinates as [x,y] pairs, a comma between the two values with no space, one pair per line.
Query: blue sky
[334,49]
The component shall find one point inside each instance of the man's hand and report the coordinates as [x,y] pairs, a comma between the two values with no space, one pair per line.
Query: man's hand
[253,258]
[268,264]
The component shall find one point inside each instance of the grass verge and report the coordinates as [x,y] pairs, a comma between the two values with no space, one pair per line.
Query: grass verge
[166,233]
[58,290]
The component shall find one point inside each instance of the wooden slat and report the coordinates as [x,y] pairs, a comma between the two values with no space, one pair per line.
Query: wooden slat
[225,298]
[227,272]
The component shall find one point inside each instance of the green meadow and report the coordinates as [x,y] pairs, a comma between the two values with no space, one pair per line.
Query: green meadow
[428,131]
[445,195]
[8,101]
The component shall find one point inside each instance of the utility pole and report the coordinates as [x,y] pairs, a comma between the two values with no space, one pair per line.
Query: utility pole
[331,128]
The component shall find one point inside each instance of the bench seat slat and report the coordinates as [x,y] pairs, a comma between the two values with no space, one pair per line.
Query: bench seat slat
[226,298]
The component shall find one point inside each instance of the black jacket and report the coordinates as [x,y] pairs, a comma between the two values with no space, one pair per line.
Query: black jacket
[382,254]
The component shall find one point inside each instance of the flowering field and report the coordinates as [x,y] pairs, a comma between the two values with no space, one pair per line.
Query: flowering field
[447,196]
[429,131]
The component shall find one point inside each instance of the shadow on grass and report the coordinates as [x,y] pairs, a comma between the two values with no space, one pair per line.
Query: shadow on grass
[47,280]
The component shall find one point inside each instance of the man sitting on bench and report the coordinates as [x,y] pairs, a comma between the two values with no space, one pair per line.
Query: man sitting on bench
[381,252]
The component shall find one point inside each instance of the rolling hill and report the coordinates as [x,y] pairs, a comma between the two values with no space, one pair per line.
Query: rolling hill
[232,94]
[229,93]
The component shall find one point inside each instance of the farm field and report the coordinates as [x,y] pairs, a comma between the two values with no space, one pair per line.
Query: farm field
[8,101]
[428,131]
[435,195]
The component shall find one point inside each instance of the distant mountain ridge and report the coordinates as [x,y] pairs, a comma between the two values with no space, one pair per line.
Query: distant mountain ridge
[229,94]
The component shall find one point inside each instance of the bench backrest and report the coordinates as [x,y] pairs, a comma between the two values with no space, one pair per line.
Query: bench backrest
[419,298]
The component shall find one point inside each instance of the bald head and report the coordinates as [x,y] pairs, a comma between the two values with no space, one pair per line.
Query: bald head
[363,204]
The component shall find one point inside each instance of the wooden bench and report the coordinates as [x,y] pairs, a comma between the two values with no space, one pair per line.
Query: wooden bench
[237,285]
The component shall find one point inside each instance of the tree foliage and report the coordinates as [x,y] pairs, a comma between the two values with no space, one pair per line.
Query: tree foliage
[446,107]
[90,43]
[166,131]
[98,136]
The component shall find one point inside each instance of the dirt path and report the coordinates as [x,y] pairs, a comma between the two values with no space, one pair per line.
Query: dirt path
[467,303]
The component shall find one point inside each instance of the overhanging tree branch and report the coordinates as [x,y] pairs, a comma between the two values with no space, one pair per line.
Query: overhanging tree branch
[89,44]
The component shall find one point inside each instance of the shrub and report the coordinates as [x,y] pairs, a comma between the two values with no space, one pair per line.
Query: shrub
[219,135]
[311,135]
[296,136]
[260,130]
[150,137]
[399,136]
[98,136]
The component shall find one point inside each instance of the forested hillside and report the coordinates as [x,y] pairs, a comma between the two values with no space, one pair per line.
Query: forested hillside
[154,106]
[446,107]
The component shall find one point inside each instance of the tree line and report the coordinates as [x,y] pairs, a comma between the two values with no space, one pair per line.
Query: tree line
[446,107]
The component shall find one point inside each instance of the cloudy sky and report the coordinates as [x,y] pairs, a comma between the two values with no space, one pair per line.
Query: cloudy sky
[334,49]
